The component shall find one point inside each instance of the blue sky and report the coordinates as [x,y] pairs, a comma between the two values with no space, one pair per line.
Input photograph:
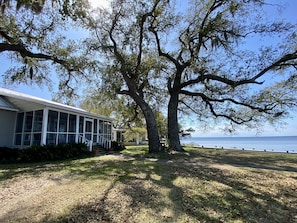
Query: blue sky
[289,14]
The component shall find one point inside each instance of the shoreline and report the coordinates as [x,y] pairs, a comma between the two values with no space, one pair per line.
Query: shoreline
[243,149]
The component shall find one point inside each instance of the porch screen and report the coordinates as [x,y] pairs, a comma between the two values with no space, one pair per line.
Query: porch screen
[61,128]
[72,128]
[28,128]
[52,127]
[63,122]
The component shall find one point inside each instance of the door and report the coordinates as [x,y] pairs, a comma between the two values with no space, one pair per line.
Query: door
[88,132]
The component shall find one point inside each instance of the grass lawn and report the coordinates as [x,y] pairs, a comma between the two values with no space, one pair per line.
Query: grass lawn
[201,185]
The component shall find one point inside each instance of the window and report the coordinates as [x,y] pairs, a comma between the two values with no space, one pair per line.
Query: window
[38,121]
[71,138]
[95,125]
[100,126]
[19,129]
[72,123]
[62,127]
[88,126]
[27,139]
[28,128]
[36,139]
[63,122]
[19,124]
[51,138]
[52,121]
[28,121]
[95,140]
[62,138]
[81,124]
[109,128]
[18,140]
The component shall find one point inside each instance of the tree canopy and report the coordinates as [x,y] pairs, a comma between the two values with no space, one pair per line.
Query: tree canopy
[129,66]
[214,75]
[33,34]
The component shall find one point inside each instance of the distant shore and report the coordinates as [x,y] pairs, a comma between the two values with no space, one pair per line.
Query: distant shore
[237,149]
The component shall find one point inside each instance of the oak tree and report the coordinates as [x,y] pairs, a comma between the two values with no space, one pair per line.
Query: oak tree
[128,66]
[215,75]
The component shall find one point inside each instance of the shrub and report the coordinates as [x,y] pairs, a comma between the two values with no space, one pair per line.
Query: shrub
[53,152]
[8,154]
[117,146]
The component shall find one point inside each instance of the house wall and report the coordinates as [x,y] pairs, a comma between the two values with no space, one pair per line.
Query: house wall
[118,135]
[51,126]
[7,124]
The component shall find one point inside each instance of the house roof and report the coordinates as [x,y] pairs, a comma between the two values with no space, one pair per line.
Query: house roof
[12,100]
[6,105]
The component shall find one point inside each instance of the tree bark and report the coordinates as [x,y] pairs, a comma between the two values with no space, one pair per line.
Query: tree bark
[173,130]
[152,130]
[151,126]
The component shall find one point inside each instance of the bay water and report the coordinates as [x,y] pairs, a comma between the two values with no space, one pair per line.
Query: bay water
[287,144]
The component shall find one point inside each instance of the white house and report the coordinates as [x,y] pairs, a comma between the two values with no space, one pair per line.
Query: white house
[26,120]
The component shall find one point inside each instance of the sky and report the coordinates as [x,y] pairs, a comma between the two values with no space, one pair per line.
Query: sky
[287,130]
[290,128]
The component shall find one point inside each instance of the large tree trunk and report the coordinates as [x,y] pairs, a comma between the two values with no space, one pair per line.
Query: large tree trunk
[152,130]
[173,130]
[151,124]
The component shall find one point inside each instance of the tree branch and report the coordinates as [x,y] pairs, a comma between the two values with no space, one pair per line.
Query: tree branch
[279,62]
[141,36]
[207,99]
[26,53]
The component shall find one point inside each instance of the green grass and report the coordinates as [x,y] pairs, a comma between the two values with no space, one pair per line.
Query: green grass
[136,151]
[201,185]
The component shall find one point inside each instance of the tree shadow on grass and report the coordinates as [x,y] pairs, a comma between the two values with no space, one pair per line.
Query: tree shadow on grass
[10,171]
[258,160]
[180,189]
[158,191]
